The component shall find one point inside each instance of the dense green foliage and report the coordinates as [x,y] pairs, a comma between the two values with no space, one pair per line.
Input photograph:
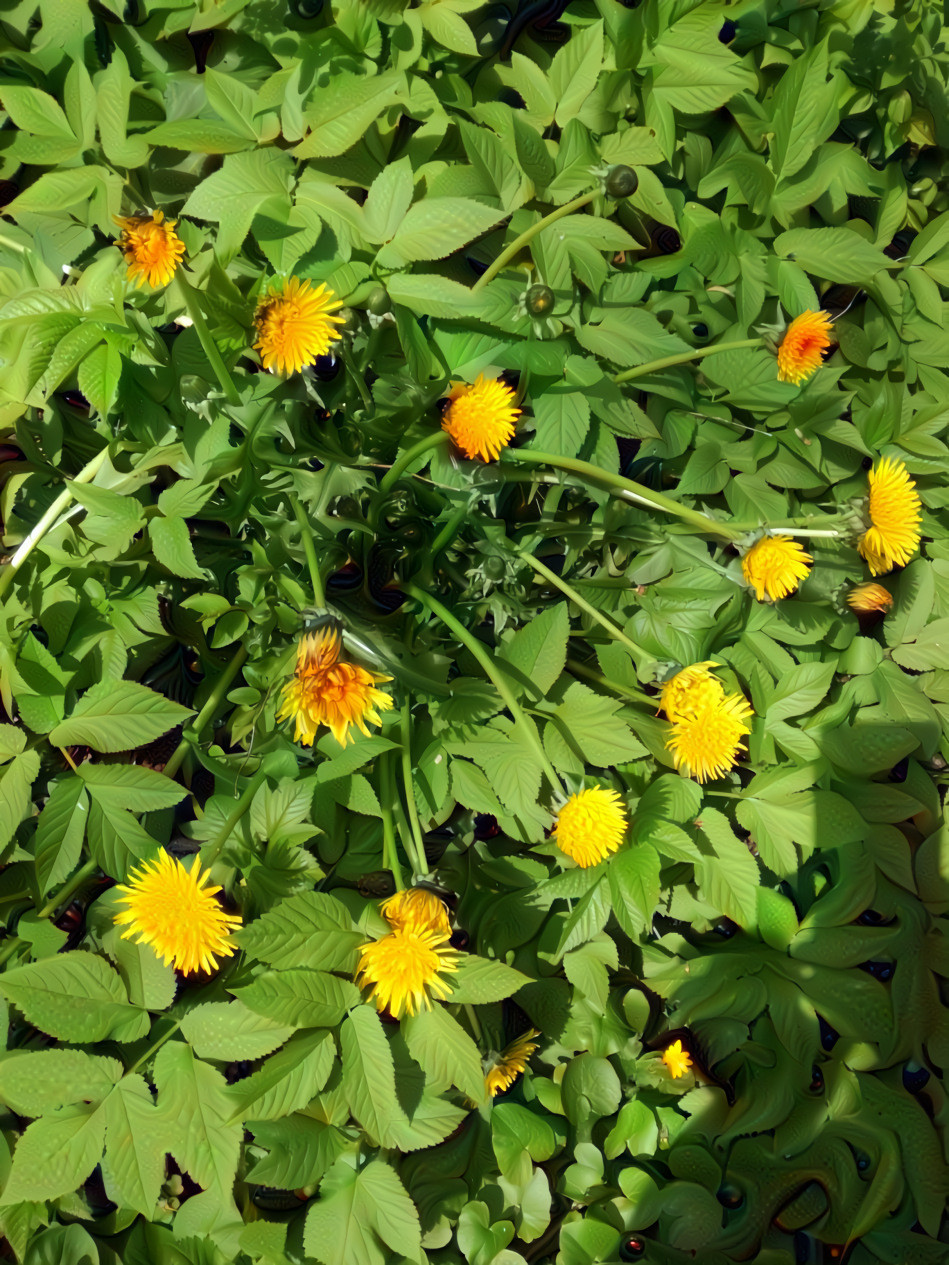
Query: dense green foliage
[786,922]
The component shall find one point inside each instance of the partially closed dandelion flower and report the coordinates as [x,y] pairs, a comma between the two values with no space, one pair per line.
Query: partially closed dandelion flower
[707,743]
[870,597]
[774,566]
[295,324]
[690,689]
[404,970]
[151,247]
[591,825]
[676,1059]
[416,909]
[480,419]
[895,513]
[175,912]
[801,349]
[510,1063]
[325,691]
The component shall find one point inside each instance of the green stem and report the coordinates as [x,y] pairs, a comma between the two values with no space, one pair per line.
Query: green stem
[65,893]
[449,531]
[627,691]
[213,849]
[410,456]
[626,487]
[357,377]
[472,644]
[390,851]
[85,475]
[696,353]
[473,1020]
[421,863]
[309,549]
[221,686]
[231,393]
[528,235]
[156,1045]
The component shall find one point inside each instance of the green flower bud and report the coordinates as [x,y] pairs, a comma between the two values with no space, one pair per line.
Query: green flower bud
[539,300]
[621,182]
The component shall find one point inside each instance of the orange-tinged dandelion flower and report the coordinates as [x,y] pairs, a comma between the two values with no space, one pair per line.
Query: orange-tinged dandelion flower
[480,419]
[591,825]
[804,340]
[295,324]
[676,1059]
[774,566]
[417,909]
[324,691]
[173,910]
[895,513]
[707,743]
[510,1063]
[687,691]
[404,970]
[870,597]
[151,247]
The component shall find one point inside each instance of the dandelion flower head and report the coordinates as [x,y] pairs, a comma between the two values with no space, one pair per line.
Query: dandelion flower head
[510,1063]
[417,909]
[895,513]
[687,691]
[805,339]
[151,247]
[404,970]
[591,825]
[774,566]
[295,324]
[480,419]
[326,691]
[676,1059]
[870,597]
[707,742]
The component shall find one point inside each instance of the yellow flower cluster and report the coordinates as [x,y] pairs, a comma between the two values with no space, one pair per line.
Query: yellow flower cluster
[326,691]
[708,726]
[591,825]
[510,1063]
[404,968]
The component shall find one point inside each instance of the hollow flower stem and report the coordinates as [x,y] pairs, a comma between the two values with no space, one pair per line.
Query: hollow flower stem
[683,358]
[528,235]
[209,346]
[207,712]
[309,550]
[410,456]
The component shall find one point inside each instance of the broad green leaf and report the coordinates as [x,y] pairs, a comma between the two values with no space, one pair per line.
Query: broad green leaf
[479,981]
[301,1151]
[56,1154]
[287,1081]
[361,1217]
[171,542]
[193,1101]
[444,1051]
[40,1081]
[836,254]
[341,113]
[128,786]
[229,1031]
[76,997]
[16,778]
[435,228]
[539,649]
[728,876]
[369,1075]
[301,998]
[136,1139]
[312,929]
[118,716]
[634,886]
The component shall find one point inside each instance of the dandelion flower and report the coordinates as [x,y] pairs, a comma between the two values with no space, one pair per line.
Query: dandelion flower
[404,970]
[151,247]
[295,324]
[895,513]
[707,743]
[417,910]
[774,566]
[324,691]
[690,689]
[173,910]
[591,825]
[480,419]
[804,340]
[677,1060]
[870,597]
[510,1063]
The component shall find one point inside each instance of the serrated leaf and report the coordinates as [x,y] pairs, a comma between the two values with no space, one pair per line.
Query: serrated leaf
[287,1081]
[312,929]
[479,981]
[230,1032]
[34,1082]
[444,1051]
[436,227]
[135,1141]
[118,716]
[193,1101]
[360,1218]
[369,1075]
[76,996]
[56,1154]
[300,998]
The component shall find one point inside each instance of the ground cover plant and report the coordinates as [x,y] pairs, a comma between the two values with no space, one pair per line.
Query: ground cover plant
[475,598]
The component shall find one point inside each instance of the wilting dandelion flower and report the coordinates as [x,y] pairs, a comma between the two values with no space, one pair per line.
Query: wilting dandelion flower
[480,419]
[416,909]
[591,825]
[510,1063]
[676,1059]
[687,691]
[805,339]
[151,247]
[707,742]
[774,566]
[175,912]
[295,324]
[870,597]
[895,513]
[404,970]
[325,691]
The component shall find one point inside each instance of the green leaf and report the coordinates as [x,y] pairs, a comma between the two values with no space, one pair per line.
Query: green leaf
[15,781]
[836,254]
[389,197]
[444,1051]
[118,716]
[171,543]
[285,936]
[480,980]
[435,228]
[131,787]
[342,113]
[588,723]
[36,111]
[76,997]
[539,649]
[229,1031]
[42,703]
[562,419]
[287,1081]
[369,1075]
[99,374]
[56,1154]
[728,878]
[805,110]
[574,71]
[301,998]
[136,1139]
[39,1081]
[634,887]
[301,1151]
[800,690]
[361,1218]
[193,1101]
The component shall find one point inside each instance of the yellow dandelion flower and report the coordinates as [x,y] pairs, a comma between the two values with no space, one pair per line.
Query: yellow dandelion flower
[774,566]
[173,910]
[417,910]
[510,1063]
[404,970]
[804,340]
[870,597]
[707,743]
[895,513]
[324,691]
[677,1060]
[295,324]
[690,689]
[591,825]
[480,419]
[151,247]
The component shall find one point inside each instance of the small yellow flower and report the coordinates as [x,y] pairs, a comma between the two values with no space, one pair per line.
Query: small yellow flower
[324,691]
[804,340]
[707,743]
[591,825]
[404,970]
[480,419]
[510,1063]
[151,247]
[870,597]
[895,513]
[295,324]
[417,909]
[173,910]
[690,689]
[774,566]
[677,1060]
